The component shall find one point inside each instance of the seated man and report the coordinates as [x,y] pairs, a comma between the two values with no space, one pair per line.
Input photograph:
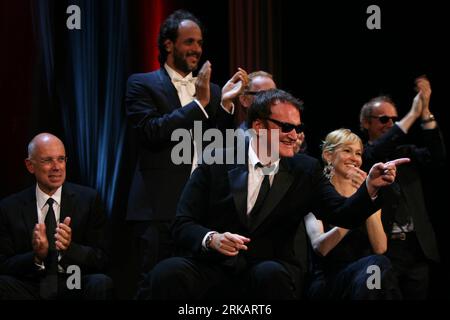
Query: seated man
[238,220]
[52,235]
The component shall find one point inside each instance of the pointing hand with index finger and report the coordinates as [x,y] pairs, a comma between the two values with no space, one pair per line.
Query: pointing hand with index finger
[383,174]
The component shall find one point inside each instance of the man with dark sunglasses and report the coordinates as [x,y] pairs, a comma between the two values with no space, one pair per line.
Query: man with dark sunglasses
[260,81]
[288,127]
[237,221]
[385,119]
[411,239]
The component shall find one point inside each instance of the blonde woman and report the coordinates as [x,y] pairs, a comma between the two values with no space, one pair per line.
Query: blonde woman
[344,259]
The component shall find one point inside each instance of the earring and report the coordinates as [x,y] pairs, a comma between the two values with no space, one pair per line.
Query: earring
[328,170]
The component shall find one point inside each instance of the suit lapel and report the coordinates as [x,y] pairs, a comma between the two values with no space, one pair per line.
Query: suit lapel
[238,177]
[169,89]
[29,210]
[281,183]
[238,180]
[67,203]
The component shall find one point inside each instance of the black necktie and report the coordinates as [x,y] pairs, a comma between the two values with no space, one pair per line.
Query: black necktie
[50,227]
[49,284]
[263,191]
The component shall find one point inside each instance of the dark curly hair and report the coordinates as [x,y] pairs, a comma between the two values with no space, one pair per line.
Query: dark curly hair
[169,30]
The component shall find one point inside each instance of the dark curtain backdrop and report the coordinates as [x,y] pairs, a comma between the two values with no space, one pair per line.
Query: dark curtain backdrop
[254,36]
[17,83]
[145,18]
[86,81]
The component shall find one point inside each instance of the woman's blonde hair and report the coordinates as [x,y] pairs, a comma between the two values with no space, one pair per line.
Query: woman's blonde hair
[335,139]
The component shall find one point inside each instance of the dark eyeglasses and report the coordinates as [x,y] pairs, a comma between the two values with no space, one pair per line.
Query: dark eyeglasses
[385,119]
[250,93]
[288,127]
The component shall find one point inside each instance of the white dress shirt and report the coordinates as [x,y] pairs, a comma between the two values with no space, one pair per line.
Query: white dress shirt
[185,88]
[42,207]
[186,91]
[256,176]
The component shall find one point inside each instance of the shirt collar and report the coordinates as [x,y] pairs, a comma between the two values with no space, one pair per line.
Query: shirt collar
[42,197]
[253,157]
[175,75]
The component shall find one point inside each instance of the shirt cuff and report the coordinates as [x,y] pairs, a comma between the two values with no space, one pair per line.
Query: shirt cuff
[226,110]
[202,108]
[204,239]
[40,266]
[375,196]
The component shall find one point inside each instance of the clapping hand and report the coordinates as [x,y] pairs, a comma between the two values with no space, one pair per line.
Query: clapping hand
[234,87]
[202,84]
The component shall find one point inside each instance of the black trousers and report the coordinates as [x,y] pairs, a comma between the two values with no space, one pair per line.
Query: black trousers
[93,287]
[153,242]
[351,282]
[411,267]
[180,278]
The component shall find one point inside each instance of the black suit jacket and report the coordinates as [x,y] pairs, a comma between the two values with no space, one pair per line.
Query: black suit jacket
[215,199]
[408,187]
[18,216]
[154,111]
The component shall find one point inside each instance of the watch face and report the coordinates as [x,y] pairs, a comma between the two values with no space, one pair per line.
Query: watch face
[208,240]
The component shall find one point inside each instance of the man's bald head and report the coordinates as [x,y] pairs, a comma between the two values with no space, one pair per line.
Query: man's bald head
[42,139]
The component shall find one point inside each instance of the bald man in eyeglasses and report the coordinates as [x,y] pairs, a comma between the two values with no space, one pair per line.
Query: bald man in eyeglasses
[411,238]
[51,230]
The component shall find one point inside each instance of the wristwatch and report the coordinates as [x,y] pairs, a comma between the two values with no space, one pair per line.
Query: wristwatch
[209,239]
[430,118]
